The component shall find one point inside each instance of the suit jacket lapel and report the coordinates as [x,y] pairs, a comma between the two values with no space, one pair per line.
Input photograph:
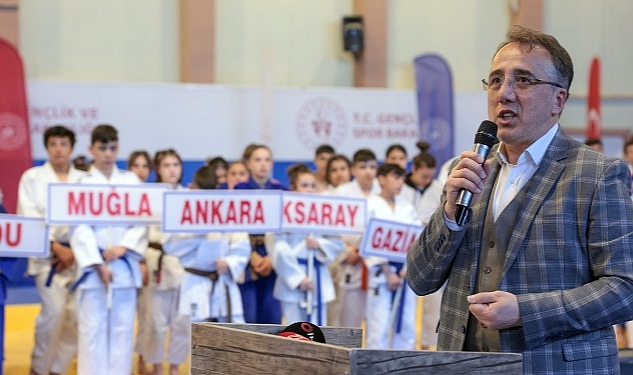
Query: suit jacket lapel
[544,180]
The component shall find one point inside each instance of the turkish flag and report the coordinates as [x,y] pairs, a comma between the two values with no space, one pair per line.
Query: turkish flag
[594,117]
[15,140]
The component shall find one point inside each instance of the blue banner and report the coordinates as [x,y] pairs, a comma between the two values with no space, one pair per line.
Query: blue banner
[434,87]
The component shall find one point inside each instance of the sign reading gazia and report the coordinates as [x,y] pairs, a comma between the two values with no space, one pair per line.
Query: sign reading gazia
[389,239]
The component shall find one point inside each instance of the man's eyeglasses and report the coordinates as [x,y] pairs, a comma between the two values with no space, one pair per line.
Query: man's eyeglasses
[520,82]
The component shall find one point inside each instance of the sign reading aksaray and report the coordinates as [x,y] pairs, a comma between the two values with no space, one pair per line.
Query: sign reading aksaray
[253,211]
[95,204]
[389,239]
[22,237]
[325,214]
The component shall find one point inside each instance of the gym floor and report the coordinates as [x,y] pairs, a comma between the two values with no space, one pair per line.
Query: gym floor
[20,313]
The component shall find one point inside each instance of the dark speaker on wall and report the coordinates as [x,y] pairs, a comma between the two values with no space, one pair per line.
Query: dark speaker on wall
[353,35]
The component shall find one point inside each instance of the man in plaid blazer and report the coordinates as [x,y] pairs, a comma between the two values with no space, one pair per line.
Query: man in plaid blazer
[543,264]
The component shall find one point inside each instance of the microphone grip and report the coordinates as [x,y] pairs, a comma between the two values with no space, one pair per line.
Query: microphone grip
[465,197]
[460,214]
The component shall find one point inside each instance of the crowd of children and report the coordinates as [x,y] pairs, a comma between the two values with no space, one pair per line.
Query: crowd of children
[98,278]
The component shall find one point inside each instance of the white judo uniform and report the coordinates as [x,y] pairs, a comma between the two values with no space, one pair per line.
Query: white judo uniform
[290,261]
[106,333]
[55,326]
[200,293]
[380,297]
[426,204]
[353,297]
[200,297]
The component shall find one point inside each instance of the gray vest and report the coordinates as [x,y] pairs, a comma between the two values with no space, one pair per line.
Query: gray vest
[494,245]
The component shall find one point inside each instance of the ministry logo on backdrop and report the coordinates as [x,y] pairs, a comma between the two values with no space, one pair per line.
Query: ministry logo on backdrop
[13,133]
[321,120]
[438,131]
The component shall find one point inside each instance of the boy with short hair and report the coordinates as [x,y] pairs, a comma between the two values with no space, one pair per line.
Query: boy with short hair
[353,273]
[108,256]
[55,329]
[387,278]
[322,154]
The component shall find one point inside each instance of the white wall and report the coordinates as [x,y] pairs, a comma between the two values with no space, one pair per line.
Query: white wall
[100,41]
[299,43]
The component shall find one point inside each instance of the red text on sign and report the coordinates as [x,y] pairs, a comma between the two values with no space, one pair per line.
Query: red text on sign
[320,213]
[394,240]
[112,203]
[10,234]
[222,212]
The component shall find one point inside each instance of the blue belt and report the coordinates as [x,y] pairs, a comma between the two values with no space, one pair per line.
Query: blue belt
[400,311]
[259,246]
[51,273]
[85,275]
[319,298]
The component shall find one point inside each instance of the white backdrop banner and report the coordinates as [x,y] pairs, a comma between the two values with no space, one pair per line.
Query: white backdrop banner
[204,120]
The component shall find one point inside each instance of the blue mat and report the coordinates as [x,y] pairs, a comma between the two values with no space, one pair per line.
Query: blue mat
[22,295]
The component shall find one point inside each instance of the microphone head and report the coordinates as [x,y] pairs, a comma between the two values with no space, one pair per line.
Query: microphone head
[304,329]
[487,133]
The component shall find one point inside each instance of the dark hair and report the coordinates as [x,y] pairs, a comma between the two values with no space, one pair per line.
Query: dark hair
[364,155]
[628,143]
[135,154]
[235,163]
[59,131]
[251,148]
[563,65]
[204,178]
[388,168]
[295,170]
[331,161]
[593,141]
[81,162]
[324,148]
[424,159]
[217,161]
[396,146]
[104,133]
[160,156]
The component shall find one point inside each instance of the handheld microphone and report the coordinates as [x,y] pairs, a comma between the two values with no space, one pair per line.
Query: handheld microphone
[485,138]
[304,331]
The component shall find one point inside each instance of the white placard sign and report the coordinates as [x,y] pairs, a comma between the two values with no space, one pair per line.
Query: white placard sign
[202,211]
[95,204]
[325,214]
[22,237]
[389,239]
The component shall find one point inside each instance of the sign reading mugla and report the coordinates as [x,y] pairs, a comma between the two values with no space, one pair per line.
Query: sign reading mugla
[105,204]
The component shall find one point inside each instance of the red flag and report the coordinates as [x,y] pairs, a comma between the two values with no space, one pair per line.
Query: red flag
[594,118]
[15,140]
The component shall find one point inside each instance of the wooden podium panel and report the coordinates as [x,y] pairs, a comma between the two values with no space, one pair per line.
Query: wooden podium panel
[255,349]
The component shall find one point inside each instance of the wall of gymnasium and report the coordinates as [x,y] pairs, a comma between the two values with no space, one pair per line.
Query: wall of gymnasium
[298,43]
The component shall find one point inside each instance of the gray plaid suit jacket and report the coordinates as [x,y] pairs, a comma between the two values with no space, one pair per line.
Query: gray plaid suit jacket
[569,261]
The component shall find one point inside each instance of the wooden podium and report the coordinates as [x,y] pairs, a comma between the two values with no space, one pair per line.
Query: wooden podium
[255,349]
